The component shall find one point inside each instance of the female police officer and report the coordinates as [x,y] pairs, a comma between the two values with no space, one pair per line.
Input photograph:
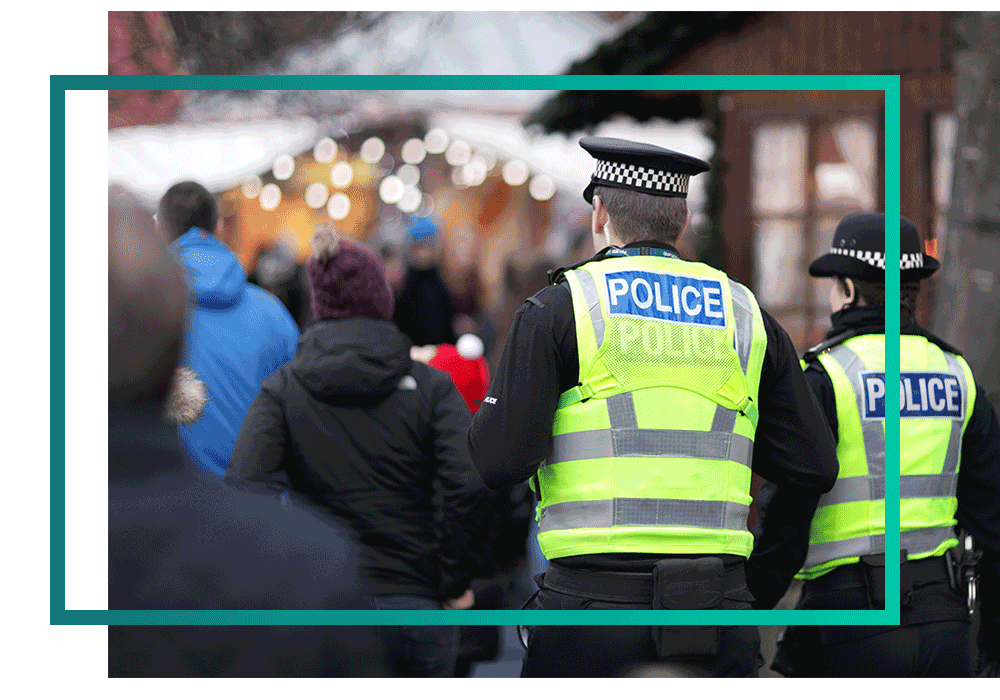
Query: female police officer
[637,393]
[946,423]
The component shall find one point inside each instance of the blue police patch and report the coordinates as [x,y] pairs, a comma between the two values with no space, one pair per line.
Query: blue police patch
[660,296]
[921,395]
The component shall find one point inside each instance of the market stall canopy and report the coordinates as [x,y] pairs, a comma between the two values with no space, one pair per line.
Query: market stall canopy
[149,159]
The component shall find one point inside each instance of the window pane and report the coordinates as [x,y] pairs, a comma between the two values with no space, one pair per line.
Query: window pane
[943,133]
[779,268]
[849,183]
[779,167]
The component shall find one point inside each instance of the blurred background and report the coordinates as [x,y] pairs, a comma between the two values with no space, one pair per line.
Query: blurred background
[501,174]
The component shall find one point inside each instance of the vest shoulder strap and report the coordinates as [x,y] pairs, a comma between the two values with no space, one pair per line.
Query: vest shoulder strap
[814,352]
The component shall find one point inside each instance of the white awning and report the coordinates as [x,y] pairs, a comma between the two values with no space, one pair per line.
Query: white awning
[149,159]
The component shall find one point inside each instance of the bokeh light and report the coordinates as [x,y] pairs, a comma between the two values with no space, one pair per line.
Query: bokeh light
[391,189]
[542,187]
[338,207]
[409,174]
[284,166]
[316,195]
[372,150]
[436,141]
[410,200]
[458,153]
[251,187]
[341,175]
[270,197]
[515,173]
[325,150]
[413,151]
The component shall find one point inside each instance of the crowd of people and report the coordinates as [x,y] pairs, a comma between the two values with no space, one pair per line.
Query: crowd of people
[366,459]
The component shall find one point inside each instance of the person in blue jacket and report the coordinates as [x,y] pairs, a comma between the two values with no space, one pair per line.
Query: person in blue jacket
[237,333]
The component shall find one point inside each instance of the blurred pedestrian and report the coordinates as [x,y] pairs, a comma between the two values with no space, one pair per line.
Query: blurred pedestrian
[179,539]
[237,333]
[424,308]
[636,393]
[504,516]
[353,424]
[949,443]
[278,272]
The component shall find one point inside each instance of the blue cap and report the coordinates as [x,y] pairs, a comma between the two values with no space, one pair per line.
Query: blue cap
[422,229]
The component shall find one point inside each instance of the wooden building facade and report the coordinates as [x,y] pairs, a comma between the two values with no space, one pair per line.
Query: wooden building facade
[789,165]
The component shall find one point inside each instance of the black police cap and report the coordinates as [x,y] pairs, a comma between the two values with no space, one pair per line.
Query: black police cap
[641,167]
[858,251]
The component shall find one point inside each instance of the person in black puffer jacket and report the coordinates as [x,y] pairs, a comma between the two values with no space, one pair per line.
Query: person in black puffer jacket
[353,424]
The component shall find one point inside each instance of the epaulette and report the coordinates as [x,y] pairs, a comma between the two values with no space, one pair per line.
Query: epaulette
[558,275]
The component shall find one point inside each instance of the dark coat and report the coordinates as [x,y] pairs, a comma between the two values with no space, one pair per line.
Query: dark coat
[424,309]
[179,539]
[352,423]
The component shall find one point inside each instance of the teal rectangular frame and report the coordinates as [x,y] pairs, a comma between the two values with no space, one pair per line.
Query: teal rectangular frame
[60,84]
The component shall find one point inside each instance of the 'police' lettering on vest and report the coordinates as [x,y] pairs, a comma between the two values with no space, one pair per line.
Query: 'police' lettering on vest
[660,296]
[921,395]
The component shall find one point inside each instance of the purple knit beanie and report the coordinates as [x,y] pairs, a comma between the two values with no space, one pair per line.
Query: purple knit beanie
[345,279]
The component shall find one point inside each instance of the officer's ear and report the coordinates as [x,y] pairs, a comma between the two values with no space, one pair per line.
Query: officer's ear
[599,217]
[598,224]
[849,290]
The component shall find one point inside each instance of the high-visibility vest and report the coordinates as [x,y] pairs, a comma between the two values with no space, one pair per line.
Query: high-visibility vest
[936,393]
[651,452]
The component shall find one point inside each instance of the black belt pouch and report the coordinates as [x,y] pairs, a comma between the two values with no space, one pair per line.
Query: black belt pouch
[687,584]
[873,566]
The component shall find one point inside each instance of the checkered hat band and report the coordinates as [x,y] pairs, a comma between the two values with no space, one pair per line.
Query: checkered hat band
[874,258]
[907,261]
[644,178]
[911,261]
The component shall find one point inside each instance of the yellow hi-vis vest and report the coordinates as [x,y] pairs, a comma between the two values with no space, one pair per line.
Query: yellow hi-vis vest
[651,453]
[936,396]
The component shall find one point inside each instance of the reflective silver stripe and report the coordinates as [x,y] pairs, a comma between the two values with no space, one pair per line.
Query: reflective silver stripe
[849,489]
[636,442]
[743,320]
[872,431]
[638,512]
[913,541]
[928,486]
[821,552]
[925,539]
[724,420]
[954,452]
[621,411]
[593,299]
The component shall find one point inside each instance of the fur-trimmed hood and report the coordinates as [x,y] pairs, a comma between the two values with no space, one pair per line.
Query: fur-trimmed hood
[186,399]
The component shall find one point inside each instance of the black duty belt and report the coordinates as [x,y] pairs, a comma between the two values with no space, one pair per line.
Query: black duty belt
[618,587]
[847,576]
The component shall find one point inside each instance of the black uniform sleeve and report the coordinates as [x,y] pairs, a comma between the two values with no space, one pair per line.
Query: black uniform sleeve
[822,390]
[979,510]
[464,499]
[795,450]
[259,453]
[510,431]
[793,444]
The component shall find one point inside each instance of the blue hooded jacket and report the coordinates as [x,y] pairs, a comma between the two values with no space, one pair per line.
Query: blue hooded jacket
[237,335]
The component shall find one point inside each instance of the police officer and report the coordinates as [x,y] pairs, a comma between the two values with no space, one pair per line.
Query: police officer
[949,466]
[637,393]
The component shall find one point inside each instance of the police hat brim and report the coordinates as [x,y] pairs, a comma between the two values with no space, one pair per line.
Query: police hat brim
[832,265]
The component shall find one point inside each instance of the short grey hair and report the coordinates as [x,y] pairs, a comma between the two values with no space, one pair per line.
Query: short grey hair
[636,216]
